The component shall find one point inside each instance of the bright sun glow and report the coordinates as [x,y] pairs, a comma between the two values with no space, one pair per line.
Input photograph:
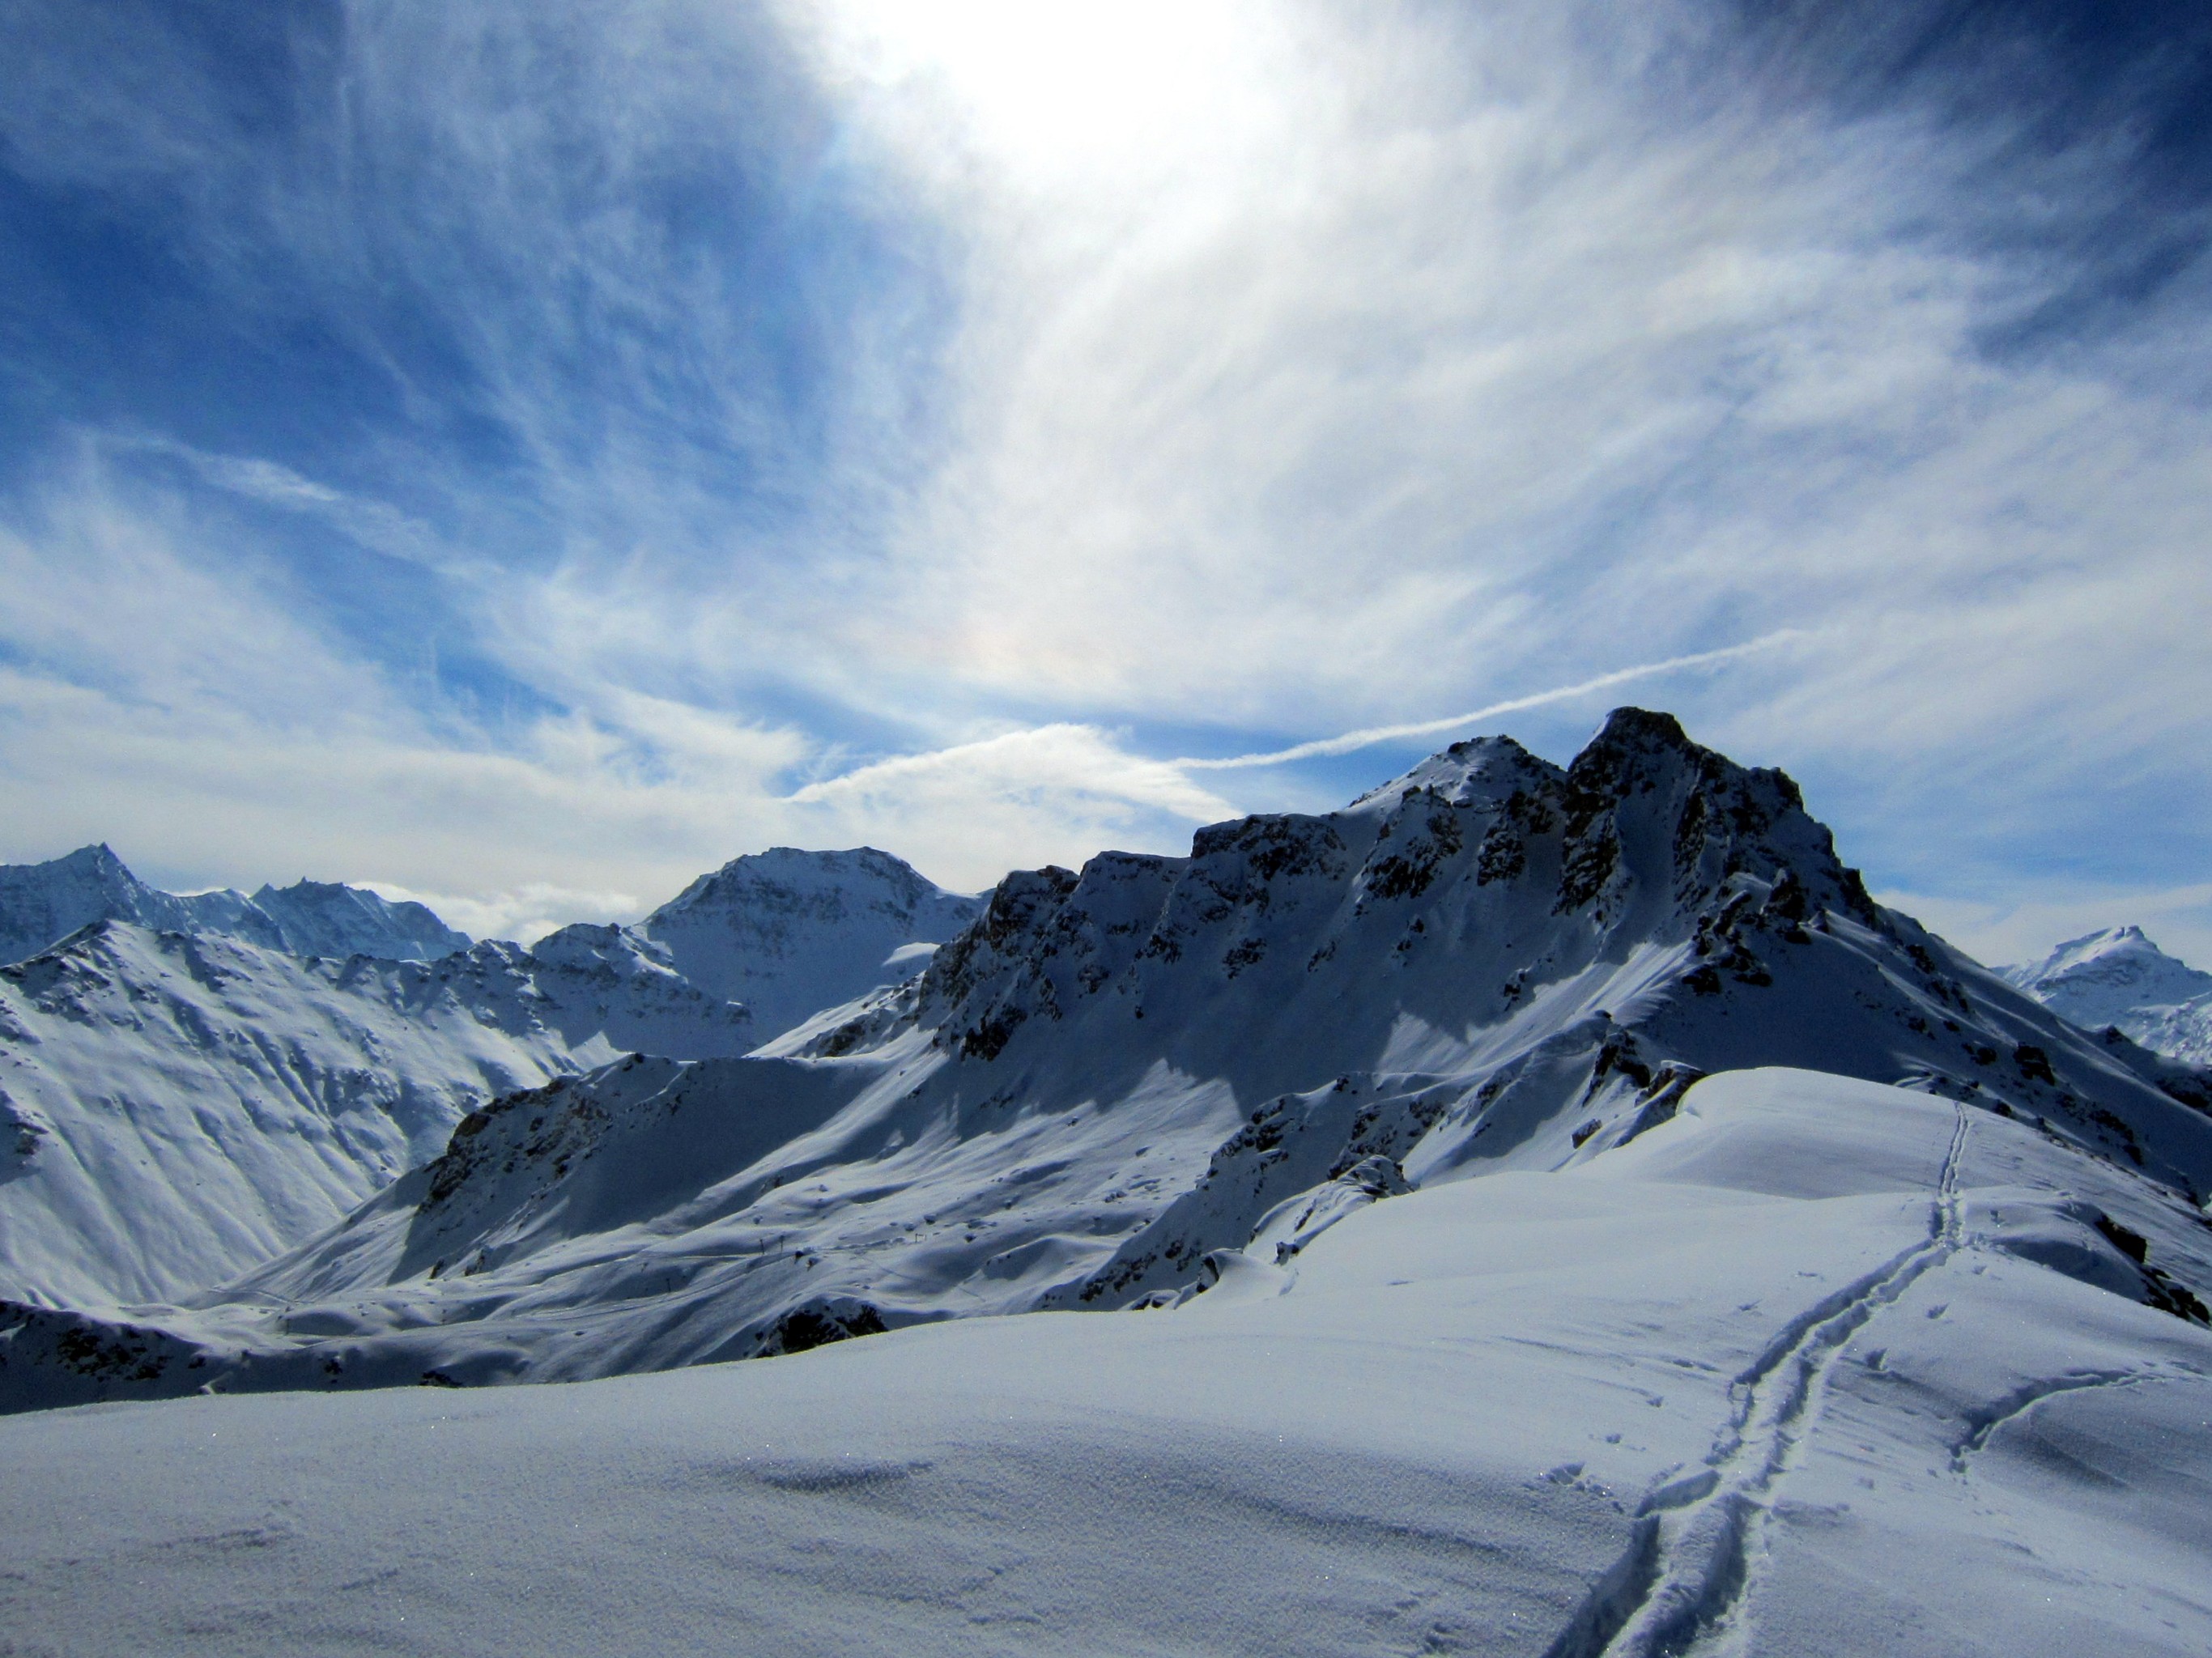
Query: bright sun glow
[1043,89]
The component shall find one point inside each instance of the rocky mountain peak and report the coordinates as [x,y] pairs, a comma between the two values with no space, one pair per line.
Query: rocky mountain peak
[1482,852]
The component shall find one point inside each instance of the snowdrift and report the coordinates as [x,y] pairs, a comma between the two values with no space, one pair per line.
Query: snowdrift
[1812,1366]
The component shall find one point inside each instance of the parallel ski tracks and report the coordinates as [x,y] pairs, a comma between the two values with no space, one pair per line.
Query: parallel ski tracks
[1681,1585]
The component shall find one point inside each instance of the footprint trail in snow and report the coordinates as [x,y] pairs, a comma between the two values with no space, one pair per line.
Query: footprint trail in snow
[1684,1585]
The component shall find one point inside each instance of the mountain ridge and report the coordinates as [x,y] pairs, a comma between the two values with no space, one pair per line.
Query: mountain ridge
[41,904]
[245,1095]
[1117,1078]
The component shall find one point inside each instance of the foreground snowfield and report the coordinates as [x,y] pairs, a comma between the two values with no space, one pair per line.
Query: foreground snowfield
[1818,1366]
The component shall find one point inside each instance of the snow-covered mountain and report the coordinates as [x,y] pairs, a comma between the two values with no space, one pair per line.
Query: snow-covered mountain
[175,1108]
[1814,1367]
[1115,1080]
[41,904]
[181,1113]
[328,918]
[2120,978]
[790,933]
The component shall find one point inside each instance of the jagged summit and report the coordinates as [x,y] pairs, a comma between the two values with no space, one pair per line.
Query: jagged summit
[1116,1074]
[1481,873]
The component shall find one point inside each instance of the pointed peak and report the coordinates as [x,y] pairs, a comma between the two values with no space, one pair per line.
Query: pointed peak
[1635,742]
[1646,729]
[2110,938]
[1478,767]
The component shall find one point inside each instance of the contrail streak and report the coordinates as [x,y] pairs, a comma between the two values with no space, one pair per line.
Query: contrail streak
[1360,739]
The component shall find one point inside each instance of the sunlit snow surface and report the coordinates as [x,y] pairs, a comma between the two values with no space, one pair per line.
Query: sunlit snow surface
[176,1109]
[1818,1367]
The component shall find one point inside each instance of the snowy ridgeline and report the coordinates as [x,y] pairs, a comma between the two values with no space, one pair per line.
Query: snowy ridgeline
[2120,979]
[187,1090]
[1812,1368]
[1117,1079]
[41,904]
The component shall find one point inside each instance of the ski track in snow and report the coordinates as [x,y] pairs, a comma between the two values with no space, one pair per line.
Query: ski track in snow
[1684,1584]
[2021,1403]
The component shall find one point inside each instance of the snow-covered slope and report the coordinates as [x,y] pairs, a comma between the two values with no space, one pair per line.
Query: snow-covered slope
[326,918]
[1814,1370]
[790,933]
[1490,965]
[40,904]
[175,1108]
[2120,978]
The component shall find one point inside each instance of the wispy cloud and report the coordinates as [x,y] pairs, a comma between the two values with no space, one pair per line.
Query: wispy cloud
[536,448]
[1350,742]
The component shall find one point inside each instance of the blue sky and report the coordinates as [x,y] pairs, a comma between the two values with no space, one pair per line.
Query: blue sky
[524,454]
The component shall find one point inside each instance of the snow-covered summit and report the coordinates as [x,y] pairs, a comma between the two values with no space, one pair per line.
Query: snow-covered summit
[328,918]
[789,933]
[41,904]
[2095,979]
[2118,977]
[1481,767]
[1115,1075]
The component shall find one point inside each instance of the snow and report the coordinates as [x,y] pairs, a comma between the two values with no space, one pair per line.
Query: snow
[1530,1211]
[2120,978]
[790,933]
[1114,1076]
[1772,1375]
[176,1109]
[173,1114]
[41,904]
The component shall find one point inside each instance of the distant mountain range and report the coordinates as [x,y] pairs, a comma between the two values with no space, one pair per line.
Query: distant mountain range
[1117,1085]
[190,1085]
[41,904]
[2120,978]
